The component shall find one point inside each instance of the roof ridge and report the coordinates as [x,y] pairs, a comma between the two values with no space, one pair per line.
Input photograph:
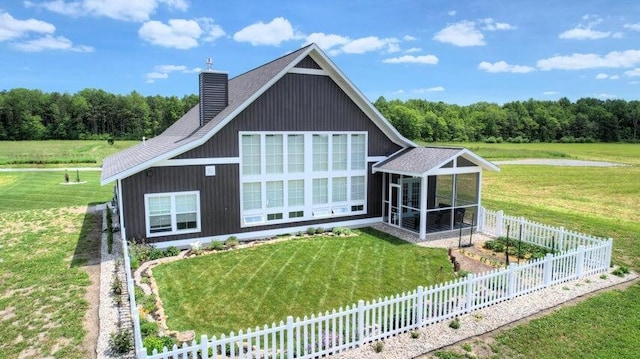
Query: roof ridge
[274,60]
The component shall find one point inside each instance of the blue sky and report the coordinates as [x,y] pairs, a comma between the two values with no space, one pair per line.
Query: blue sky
[453,51]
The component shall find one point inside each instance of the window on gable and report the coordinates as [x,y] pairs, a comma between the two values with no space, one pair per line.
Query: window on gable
[172,213]
[358,152]
[295,158]
[275,194]
[273,154]
[339,189]
[251,155]
[320,153]
[251,196]
[357,188]
[320,190]
[296,193]
[339,152]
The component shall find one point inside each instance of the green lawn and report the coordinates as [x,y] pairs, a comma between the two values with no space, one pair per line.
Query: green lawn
[58,153]
[43,189]
[46,237]
[235,290]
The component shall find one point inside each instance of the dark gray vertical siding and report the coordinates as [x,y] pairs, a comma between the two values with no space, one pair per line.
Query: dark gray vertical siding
[295,103]
[308,63]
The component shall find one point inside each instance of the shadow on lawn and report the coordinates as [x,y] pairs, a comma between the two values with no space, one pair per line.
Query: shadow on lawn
[87,252]
[384,236]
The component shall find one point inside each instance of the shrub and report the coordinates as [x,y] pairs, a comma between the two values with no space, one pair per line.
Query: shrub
[216,246]
[116,285]
[455,323]
[621,271]
[311,231]
[148,328]
[492,139]
[466,347]
[156,253]
[171,251]
[196,247]
[231,242]
[148,302]
[415,334]
[339,231]
[319,230]
[121,341]
[494,246]
[157,342]
[299,234]
[140,251]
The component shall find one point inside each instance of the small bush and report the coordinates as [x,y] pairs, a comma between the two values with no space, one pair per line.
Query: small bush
[116,285]
[231,242]
[156,342]
[603,276]
[156,253]
[495,246]
[319,230]
[415,334]
[455,323]
[171,251]
[311,231]
[148,302]
[196,247]
[121,341]
[339,231]
[299,234]
[466,347]
[378,346]
[216,246]
[148,328]
[621,271]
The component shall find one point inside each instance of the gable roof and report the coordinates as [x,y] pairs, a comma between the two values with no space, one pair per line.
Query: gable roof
[420,161]
[186,133]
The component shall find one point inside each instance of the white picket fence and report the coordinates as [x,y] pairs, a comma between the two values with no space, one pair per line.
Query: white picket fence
[355,325]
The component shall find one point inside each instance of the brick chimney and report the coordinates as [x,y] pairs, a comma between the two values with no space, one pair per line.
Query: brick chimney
[214,93]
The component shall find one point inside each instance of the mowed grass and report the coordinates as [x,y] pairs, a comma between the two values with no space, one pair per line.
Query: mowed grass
[235,290]
[46,236]
[58,153]
[26,190]
[627,153]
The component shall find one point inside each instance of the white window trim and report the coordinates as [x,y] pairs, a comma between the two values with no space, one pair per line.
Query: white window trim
[174,229]
[337,209]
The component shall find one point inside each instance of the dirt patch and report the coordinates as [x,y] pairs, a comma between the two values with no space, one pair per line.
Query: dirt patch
[91,318]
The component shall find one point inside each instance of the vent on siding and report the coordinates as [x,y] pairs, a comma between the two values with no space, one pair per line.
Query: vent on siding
[214,94]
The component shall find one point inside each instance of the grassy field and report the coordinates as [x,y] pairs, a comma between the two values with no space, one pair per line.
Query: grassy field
[47,238]
[235,290]
[58,153]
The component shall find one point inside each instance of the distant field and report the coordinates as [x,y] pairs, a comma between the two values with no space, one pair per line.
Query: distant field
[627,153]
[58,153]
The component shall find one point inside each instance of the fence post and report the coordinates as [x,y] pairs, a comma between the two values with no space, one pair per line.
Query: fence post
[561,239]
[511,280]
[204,346]
[580,261]
[609,249]
[548,269]
[470,279]
[290,353]
[360,322]
[522,231]
[420,311]
[499,224]
[480,224]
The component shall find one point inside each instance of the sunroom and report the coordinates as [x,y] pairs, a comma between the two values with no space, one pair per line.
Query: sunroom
[432,191]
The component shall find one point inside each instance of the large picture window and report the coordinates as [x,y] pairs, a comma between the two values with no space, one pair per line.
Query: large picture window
[172,213]
[299,176]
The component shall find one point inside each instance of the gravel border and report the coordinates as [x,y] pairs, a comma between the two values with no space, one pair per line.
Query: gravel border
[484,320]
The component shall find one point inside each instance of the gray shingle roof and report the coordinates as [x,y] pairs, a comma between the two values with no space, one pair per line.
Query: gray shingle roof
[418,160]
[186,129]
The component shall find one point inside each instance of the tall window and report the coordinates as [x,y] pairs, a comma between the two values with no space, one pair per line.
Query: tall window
[339,152]
[295,156]
[172,213]
[273,150]
[297,176]
[320,153]
[251,154]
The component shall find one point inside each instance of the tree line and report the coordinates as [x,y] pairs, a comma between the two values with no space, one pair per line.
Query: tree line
[88,114]
[586,120]
[95,114]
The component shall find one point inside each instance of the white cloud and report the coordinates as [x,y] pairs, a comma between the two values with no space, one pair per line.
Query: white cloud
[12,28]
[585,31]
[584,34]
[410,59]
[605,95]
[549,93]
[469,33]
[413,49]
[392,48]
[409,38]
[272,33]
[601,76]
[634,82]
[162,71]
[634,27]
[502,66]
[49,42]
[178,33]
[435,89]
[633,73]
[614,77]
[614,59]
[326,41]
[366,44]
[210,29]
[126,10]
[461,34]
[452,13]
